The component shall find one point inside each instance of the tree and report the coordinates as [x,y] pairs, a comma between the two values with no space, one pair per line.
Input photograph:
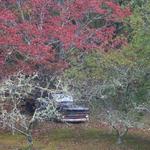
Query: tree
[118,81]
[120,105]
[138,50]
[111,83]
[41,31]
[13,92]
[140,24]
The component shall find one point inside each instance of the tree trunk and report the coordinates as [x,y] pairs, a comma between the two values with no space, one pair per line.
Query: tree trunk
[120,136]
[119,140]
[30,141]
[29,136]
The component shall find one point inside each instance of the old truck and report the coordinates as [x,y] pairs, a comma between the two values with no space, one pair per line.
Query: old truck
[68,110]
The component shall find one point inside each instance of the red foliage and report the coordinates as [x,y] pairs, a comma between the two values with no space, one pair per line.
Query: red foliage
[35,28]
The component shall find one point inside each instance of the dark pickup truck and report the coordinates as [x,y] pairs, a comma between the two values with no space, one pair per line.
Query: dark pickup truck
[70,112]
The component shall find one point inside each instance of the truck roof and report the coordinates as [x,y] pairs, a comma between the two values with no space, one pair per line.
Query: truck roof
[62,97]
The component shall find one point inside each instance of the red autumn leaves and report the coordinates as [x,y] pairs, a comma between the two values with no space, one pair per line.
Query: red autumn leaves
[37,28]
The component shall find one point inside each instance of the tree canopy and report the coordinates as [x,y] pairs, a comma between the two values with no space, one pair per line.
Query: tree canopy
[41,31]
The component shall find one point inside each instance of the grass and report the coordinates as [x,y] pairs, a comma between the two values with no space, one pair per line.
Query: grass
[77,138]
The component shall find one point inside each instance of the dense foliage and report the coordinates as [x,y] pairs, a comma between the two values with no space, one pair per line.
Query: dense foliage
[41,31]
[116,84]
[100,48]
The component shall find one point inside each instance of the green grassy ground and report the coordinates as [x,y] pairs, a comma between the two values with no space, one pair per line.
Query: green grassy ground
[77,138]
